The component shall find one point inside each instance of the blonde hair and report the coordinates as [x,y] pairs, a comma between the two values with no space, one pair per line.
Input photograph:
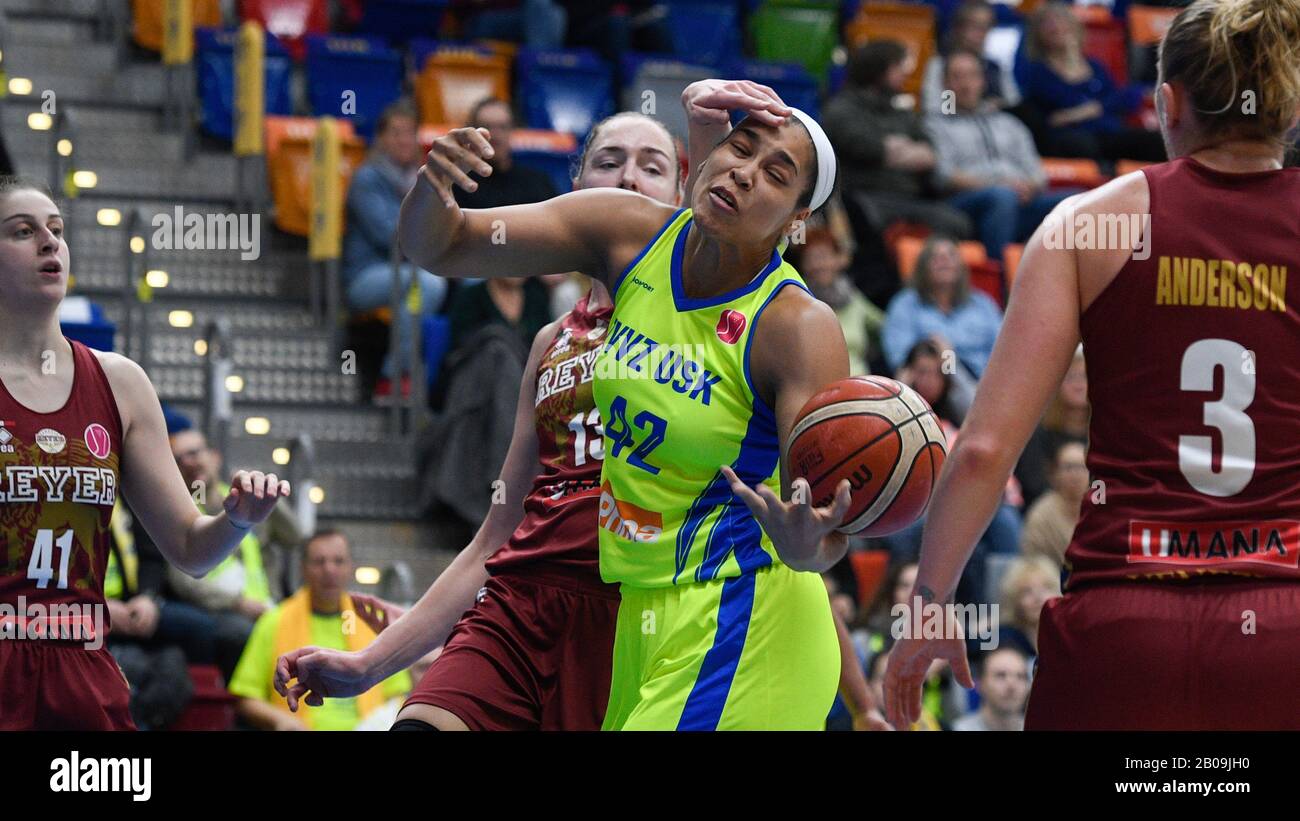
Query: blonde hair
[1033,37]
[921,272]
[1054,416]
[1223,49]
[1020,572]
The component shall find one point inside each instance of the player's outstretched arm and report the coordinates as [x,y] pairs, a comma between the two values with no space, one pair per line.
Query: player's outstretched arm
[333,673]
[594,231]
[194,542]
[798,350]
[1042,317]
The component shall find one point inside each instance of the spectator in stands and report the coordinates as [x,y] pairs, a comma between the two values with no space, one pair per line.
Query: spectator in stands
[932,696]
[1083,111]
[971,23]
[987,162]
[940,305]
[887,158]
[1066,419]
[373,204]
[1027,584]
[238,590]
[1049,523]
[1003,685]
[948,387]
[535,23]
[509,183]
[521,305]
[321,613]
[614,27]
[824,265]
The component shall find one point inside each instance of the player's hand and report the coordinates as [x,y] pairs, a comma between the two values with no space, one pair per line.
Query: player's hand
[707,102]
[796,528]
[321,673]
[453,156]
[375,612]
[143,613]
[909,664]
[284,723]
[253,494]
[871,721]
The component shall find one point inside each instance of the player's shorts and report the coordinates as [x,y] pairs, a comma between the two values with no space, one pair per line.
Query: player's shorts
[1214,655]
[55,685]
[533,653]
[757,651]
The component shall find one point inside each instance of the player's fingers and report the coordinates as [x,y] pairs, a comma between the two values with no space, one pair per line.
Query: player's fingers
[463,159]
[258,478]
[314,699]
[839,505]
[477,140]
[752,501]
[961,668]
[438,184]
[272,486]
[295,693]
[760,90]
[244,481]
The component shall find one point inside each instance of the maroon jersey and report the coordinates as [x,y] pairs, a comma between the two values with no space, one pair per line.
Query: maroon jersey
[561,511]
[1193,358]
[58,482]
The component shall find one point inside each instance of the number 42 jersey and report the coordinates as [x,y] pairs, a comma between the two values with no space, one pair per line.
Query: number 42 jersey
[1193,358]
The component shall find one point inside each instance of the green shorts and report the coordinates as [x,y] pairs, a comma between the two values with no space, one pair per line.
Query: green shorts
[754,652]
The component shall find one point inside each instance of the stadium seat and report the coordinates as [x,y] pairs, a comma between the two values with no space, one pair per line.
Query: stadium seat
[654,83]
[1104,41]
[288,163]
[792,81]
[211,707]
[147,20]
[451,79]
[564,90]
[1146,28]
[1129,166]
[550,152]
[352,77]
[214,57]
[398,21]
[290,20]
[911,24]
[704,31]
[805,33]
[870,567]
[908,249]
[1065,172]
[1011,261]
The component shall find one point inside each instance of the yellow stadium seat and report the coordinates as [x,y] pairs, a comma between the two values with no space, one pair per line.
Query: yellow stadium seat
[452,81]
[147,20]
[910,24]
[288,164]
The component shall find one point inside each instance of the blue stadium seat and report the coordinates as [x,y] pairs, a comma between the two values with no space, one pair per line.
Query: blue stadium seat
[555,164]
[792,81]
[566,91]
[352,77]
[704,31]
[214,54]
[397,21]
[435,333]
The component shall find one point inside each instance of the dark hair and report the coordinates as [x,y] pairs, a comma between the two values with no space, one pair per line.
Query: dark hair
[474,112]
[579,163]
[395,109]
[962,52]
[805,196]
[1220,50]
[926,347]
[869,62]
[324,533]
[982,660]
[9,183]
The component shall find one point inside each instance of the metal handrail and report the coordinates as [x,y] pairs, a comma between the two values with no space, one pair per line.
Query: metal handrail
[301,476]
[218,363]
[131,268]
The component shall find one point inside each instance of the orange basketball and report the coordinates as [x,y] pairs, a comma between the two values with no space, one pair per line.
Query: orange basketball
[881,436]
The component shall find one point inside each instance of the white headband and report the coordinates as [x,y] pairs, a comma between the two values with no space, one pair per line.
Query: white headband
[825,159]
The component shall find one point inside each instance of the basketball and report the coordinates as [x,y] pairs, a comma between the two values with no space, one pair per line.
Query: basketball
[881,436]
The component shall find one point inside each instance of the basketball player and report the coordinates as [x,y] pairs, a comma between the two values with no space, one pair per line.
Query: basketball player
[75,426]
[1183,600]
[716,629]
[527,654]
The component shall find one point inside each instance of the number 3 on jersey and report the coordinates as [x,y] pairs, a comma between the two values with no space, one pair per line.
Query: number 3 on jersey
[619,434]
[1227,413]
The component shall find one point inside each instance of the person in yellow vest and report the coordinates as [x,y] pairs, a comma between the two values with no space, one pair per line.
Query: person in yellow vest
[322,614]
[237,591]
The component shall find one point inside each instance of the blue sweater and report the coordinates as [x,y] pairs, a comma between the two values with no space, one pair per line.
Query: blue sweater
[1044,88]
[971,327]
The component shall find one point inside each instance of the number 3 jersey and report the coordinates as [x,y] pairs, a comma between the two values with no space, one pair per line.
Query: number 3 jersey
[58,482]
[558,534]
[1193,357]
[673,386]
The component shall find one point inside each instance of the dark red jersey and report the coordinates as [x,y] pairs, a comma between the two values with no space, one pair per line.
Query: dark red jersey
[558,532]
[1193,357]
[58,482]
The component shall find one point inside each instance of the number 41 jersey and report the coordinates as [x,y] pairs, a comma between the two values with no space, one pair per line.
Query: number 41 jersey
[1193,357]
[58,482]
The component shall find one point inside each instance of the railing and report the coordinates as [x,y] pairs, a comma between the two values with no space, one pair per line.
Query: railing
[217,365]
[301,476]
[135,261]
[407,413]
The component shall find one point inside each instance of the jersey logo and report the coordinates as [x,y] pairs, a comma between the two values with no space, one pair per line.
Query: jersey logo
[731,324]
[1212,544]
[6,438]
[51,441]
[97,440]
[628,521]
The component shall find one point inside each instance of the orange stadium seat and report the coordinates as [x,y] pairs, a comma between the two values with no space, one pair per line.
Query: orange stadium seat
[1129,166]
[452,81]
[1011,261]
[1064,172]
[869,570]
[912,25]
[1104,40]
[147,20]
[288,164]
[909,248]
[1147,24]
[290,20]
